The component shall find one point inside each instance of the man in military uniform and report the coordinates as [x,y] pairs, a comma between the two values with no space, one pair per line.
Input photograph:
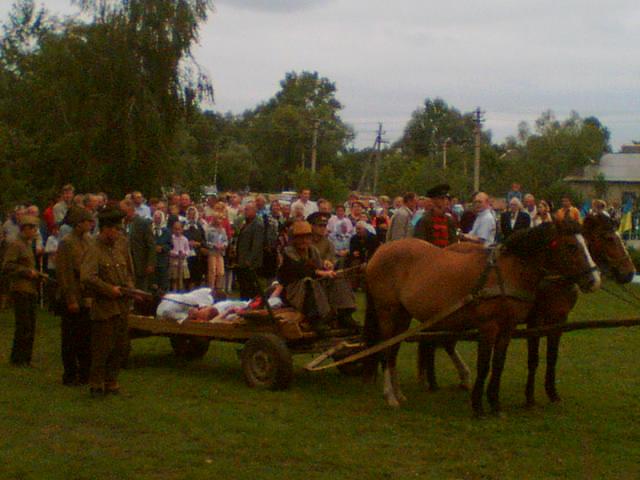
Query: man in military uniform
[106,269]
[310,286]
[20,267]
[436,226]
[320,240]
[74,303]
[141,244]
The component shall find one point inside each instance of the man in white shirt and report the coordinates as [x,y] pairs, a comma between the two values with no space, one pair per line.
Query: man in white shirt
[142,209]
[484,227]
[308,206]
[529,203]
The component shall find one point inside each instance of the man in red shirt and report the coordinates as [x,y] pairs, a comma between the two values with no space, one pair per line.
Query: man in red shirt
[437,226]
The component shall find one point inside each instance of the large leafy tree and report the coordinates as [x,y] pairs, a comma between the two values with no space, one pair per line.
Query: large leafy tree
[280,131]
[100,102]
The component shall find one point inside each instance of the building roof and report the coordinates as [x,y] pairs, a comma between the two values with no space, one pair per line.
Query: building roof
[615,167]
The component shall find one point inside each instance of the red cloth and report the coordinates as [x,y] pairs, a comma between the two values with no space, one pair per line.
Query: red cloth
[49,218]
[440,231]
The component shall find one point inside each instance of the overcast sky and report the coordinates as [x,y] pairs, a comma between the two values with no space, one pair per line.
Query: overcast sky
[511,59]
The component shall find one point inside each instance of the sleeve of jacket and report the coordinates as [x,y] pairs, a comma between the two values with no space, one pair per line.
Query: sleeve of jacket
[11,265]
[89,274]
[67,281]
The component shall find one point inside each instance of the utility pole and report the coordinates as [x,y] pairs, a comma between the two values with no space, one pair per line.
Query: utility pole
[378,155]
[314,145]
[445,145]
[476,164]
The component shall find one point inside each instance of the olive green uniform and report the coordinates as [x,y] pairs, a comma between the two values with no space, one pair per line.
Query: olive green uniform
[18,264]
[75,327]
[326,249]
[105,267]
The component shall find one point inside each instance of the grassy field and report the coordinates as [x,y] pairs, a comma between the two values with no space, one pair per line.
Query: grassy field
[199,420]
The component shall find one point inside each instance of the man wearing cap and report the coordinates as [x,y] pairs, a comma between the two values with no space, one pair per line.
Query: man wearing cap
[436,226]
[310,287]
[20,267]
[74,302]
[106,269]
[320,240]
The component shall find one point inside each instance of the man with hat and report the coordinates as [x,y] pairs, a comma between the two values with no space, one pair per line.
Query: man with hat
[320,239]
[20,267]
[436,226]
[74,302]
[106,269]
[311,287]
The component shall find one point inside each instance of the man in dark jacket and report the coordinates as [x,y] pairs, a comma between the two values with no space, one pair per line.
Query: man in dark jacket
[515,219]
[141,244]
[249,252]
[436,226]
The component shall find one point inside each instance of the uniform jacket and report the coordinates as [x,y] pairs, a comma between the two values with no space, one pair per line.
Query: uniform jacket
[18,262]
[142,245]
[326,249]
[250,244]
[69,259]
[107,266]
[424,229]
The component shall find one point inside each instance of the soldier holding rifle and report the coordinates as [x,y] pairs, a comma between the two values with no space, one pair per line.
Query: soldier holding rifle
[107,272]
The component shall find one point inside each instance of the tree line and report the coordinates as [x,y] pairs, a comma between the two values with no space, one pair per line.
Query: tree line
[112,101]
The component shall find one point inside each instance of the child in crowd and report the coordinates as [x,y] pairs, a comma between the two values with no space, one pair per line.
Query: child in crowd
[217,241]
[180,250]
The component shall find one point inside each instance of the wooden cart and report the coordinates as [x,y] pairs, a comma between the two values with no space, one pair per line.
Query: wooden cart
[270,340]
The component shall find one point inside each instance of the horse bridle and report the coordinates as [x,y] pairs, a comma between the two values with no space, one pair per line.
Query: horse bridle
[575,278]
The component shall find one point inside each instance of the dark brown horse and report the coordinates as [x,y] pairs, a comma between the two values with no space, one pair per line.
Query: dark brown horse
[412,279]
[555,299]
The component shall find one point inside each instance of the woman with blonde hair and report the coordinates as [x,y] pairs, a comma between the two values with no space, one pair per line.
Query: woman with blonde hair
[543,214]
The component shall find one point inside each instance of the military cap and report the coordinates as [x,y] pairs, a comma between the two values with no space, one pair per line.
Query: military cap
[318,218]
[439,191]
[78,215]
[29,220]
[110,216]
[301,228]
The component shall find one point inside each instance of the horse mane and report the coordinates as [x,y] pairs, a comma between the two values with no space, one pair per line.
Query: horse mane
[534,241]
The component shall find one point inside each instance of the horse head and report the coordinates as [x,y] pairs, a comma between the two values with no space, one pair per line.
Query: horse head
[607,247]
[561,249]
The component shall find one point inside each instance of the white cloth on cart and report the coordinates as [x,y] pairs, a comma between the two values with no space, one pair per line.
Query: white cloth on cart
[175,306]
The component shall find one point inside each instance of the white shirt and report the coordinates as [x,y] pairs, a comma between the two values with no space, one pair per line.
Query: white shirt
[484,227]
[309,207]
[143,211]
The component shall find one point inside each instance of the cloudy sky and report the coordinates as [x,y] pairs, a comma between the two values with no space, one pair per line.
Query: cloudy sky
[513,59]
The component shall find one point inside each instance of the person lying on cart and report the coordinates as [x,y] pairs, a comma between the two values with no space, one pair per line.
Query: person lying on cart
[312,286]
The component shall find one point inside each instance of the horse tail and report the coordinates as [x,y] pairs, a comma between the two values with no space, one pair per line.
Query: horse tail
[371,335]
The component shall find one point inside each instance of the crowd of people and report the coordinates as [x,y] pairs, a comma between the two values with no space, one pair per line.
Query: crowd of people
[102,253]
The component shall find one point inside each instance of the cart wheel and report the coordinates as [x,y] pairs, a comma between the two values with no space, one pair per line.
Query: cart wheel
[352,369]
[189,347]
[267,362]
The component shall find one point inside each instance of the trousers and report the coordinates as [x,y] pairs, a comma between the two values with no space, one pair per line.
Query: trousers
[109,344]
[24,307]
[75,336]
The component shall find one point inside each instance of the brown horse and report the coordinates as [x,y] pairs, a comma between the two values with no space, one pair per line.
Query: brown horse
[413,279]
[555,299]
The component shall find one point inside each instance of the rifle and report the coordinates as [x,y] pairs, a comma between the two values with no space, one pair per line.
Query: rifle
[136,293]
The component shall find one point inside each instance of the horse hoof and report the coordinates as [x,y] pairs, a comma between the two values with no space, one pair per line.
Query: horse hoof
[432,389]
[464,386]
[478,415]
[402,398]
[554,398]
[497,414]
[530,404]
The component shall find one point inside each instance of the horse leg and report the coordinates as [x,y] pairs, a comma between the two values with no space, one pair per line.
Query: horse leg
[395,385]
[485,349]
[463,371]
[533,359]
[553,345]
[497,366]
[427,365]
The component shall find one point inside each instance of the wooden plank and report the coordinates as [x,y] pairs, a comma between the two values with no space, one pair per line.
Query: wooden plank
[472,335]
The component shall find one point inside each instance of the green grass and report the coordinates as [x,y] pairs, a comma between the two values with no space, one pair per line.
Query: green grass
[199,420]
